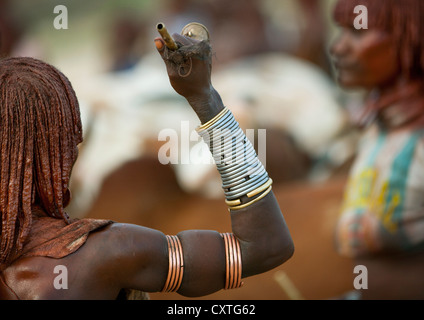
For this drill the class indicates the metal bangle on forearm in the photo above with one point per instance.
(241, 171)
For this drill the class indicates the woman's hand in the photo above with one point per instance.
(189, 70)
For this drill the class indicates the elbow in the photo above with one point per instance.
(287, 252)
(268, 255)
(279, 253)
(279, 248)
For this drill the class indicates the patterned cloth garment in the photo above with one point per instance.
(383, 209)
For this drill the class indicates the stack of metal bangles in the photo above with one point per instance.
(241, 171)
(244, 180)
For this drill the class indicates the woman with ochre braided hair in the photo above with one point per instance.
(382, 221)
(40, 129)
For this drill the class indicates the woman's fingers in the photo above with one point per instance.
(160, 44)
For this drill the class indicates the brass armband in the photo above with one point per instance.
(176, 265)
(233, 262)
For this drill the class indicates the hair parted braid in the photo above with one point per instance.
(40, 128)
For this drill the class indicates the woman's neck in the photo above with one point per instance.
(399, 104)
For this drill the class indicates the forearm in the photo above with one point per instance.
(207, 105)
(260, 239)
(256, 219)
(255, 214)
(263, 234)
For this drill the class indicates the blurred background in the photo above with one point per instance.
(272, 68)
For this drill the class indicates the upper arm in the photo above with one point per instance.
(136, 256)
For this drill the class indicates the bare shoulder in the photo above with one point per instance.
(118, 240)
(110, 260)
(128, 256)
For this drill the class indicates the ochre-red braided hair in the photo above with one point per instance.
(402, 19)
(40, 128)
